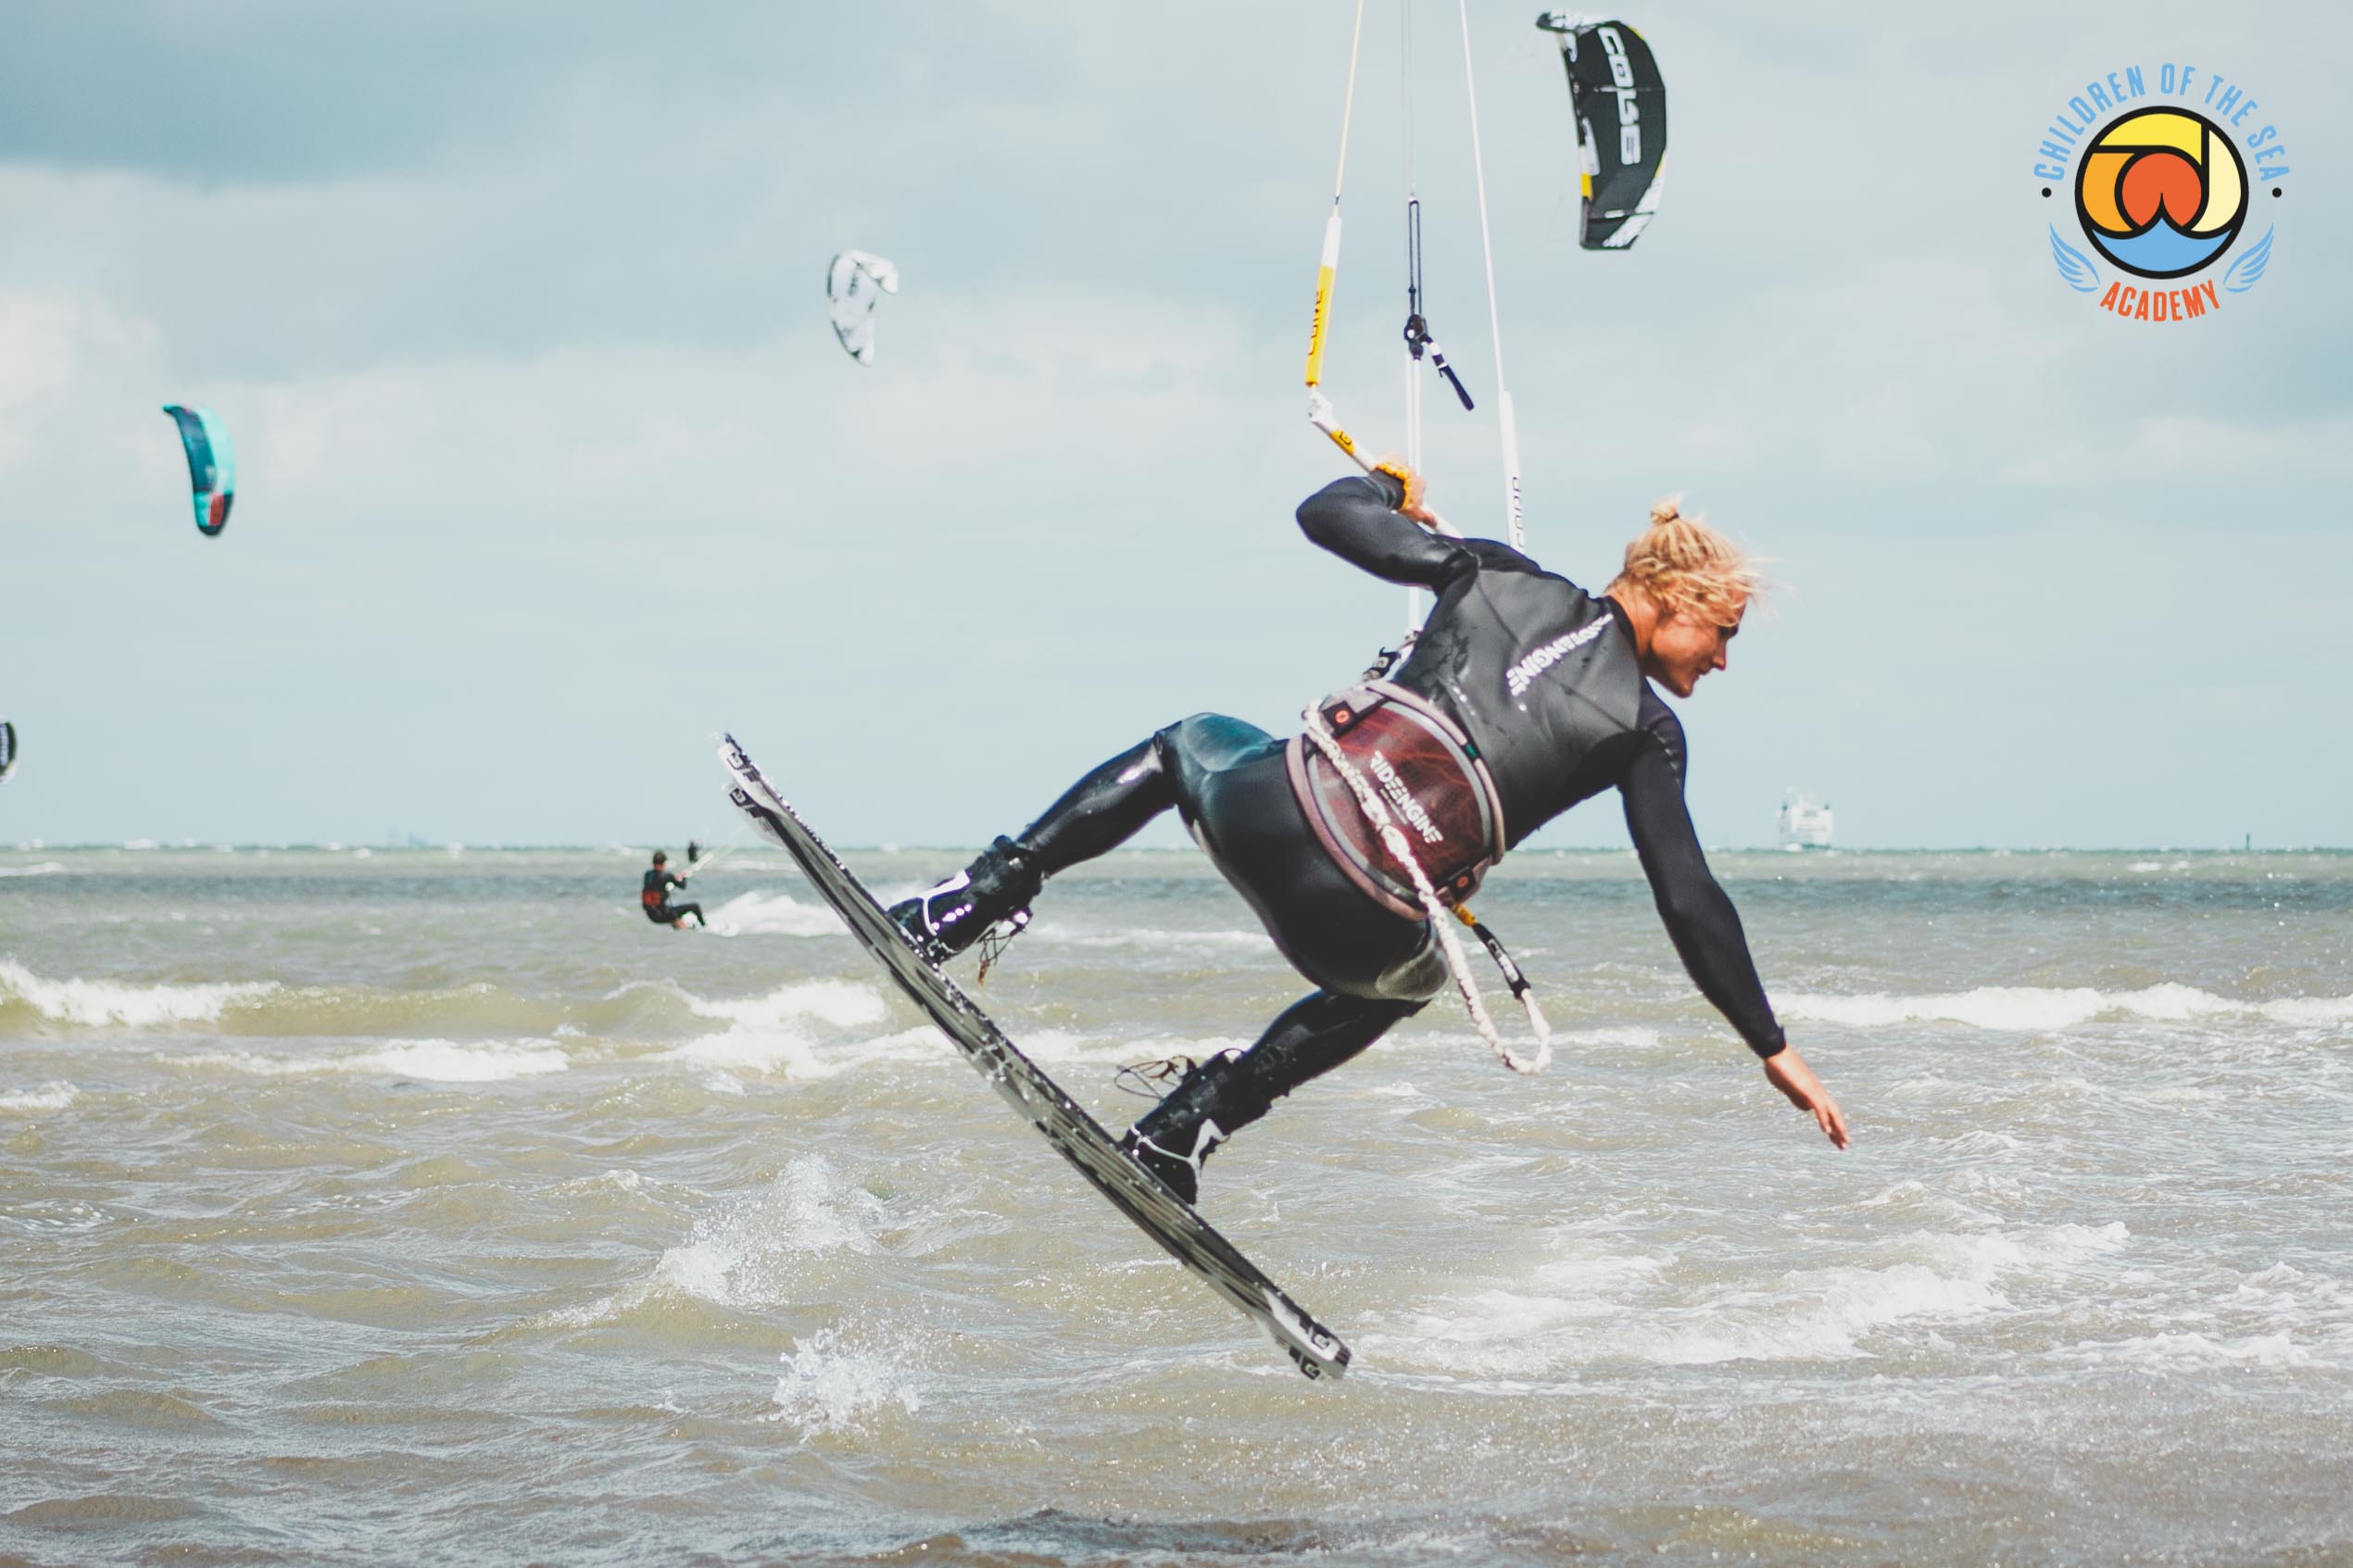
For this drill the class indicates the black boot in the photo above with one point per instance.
(951, 917)
(1173, 1138)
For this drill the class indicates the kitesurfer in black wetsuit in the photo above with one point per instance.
(1552, 685)
(656, 896)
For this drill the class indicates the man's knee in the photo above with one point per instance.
(1206, 742)
(1414, 981)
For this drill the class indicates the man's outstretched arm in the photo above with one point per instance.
(1706, 931)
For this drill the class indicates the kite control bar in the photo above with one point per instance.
(1321, 415)
(1320, 412)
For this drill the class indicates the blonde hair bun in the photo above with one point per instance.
(1688, 567)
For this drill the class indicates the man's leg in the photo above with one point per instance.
(1094, 816)
(1230, 1091)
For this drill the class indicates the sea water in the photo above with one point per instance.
(432, 1207)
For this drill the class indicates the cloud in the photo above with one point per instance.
(548, 451)
(2203, 449)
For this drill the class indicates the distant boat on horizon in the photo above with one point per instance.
(1806, 822)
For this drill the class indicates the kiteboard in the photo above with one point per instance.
(1036, 1098)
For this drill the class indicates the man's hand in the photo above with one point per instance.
(1415, 505)
(1418, 502)
(1787, 1072)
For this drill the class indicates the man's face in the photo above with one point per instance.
(1685, 647)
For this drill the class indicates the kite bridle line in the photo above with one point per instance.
(1504, 417)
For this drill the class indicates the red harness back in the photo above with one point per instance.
(1438, 792)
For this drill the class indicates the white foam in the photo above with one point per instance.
(840, 1002)
(1599, 1306)
(1982, 1140)
(1635, 1039)
(755, 1051)
(1068, 1048)
(448, 1062)
(1064, 936)
(2288, 1297)
(97, 1002)
(56, 1095)
(774, 914)
(2309, 1009)
(1824, 1319)
(2173, 1352)
(619, 1179)
(47, 868)
(441, 1061)
(772, 1032)
(2034, 1008)
(833, 1379)
(755, 1254)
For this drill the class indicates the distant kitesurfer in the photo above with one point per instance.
(656, 896)
(1522, 697)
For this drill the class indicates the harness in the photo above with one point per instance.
(1399, 759)
(1428, 772)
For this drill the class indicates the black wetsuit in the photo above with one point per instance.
(656, 898)
(1553, 697)
(1545, 680)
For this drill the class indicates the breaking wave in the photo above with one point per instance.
(96, 1003)
(777, 1030)
(774, 914)
(1631, 1309)
(440, 1061)
(2026, 1008)
(54, 1095)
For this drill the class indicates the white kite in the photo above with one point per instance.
(854, 285)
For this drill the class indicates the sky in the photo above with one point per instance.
(551, 467)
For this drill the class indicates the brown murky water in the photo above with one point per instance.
(435, 1209)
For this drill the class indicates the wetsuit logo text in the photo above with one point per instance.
(1523, 675)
